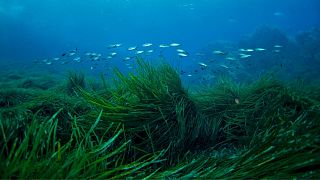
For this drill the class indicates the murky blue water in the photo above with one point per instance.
(281, 34)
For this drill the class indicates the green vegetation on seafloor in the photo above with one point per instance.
(147, 125)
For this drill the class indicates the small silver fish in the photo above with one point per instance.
(139, 52)
(72, 53)
(231, 58)
(260, 49)
(276, 51)
(224, 66)
(243, 56)
(219, 53)
(163, 46)
(96, 59)
(175, 44)
(146, 44)
(77, 58)
(181, 51)
(114, 46)
(203, 65)
(277, 46)
(132, 48)
(182, 55)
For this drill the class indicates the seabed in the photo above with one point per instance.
(148, 125)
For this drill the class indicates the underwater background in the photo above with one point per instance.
(159, 89)
(34, 30)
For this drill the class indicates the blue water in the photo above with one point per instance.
(38, 29)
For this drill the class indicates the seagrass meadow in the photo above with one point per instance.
(148, 125)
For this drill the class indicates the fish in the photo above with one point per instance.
(96, 59)
(77, 59)
(246, 50)
(126, 58)
(277, 46)
(174, 44)
(132, 48)
(111, 46)
(56, 59)
(203, 65)
(276, 51)
(224, 66)
(139, 52)
(260, 49)
(189, 75)
(75, 50)
(146, 44)
(243, 56)
(49, 63)
(88, 54)
(182, 54)
(217, 52)
(181, 51)
(150, 51)
(71, 54)
(113, 53)
(163, 46)
(236, 100)
(231, 58)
